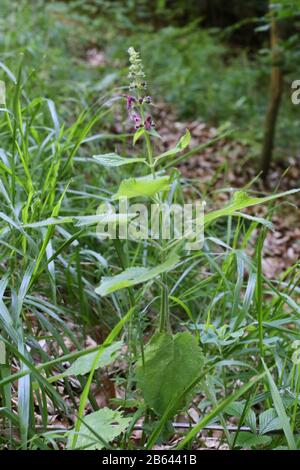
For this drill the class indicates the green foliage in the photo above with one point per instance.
(113, 160)
(144, 186)
(268, 421)
(133, 276)
(217, 300)
(281, 412)
(100, 428)
(84, 364)
(169, 366)
(247, 440)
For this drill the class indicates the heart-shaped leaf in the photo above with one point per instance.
(171, 363)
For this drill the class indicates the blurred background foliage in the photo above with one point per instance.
(209, 58)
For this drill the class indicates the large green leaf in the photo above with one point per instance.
(170, 365)
(107, 425)
(132, 276)
(84, 364)
(146, 186)
(113, 160)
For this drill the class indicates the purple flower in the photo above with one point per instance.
(130, 100)
(148, 123)
(136, 119)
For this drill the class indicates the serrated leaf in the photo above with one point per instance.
(114, 160)
(247, 440)
(146, 186)
(106, 423)
(83, 364)
(268, 421)
(133, 276)
(171, 363)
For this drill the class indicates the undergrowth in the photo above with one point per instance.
(178, 330)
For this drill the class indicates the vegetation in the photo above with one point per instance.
(111, 343)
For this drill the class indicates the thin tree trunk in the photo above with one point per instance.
(276, 89)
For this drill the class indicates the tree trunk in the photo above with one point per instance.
(276, 89)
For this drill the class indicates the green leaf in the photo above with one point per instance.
(138, 134)
(247, 440)
(84, 364)
(282, 416)
(236, 408)
(114, 160)
(106, 423)
(240, 201)
(181, 145)
(133, 276)
(171, 363)
(184, 140)
(49, 221)
(146, 186)
(268, 421)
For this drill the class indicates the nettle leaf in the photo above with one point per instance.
(240, 201)
(181, 145)
(146, 186)
(171, 364)
(84, 364)
(133, 276)
(247, 440)
(107, 425)
(114, 160)
(269, 421)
